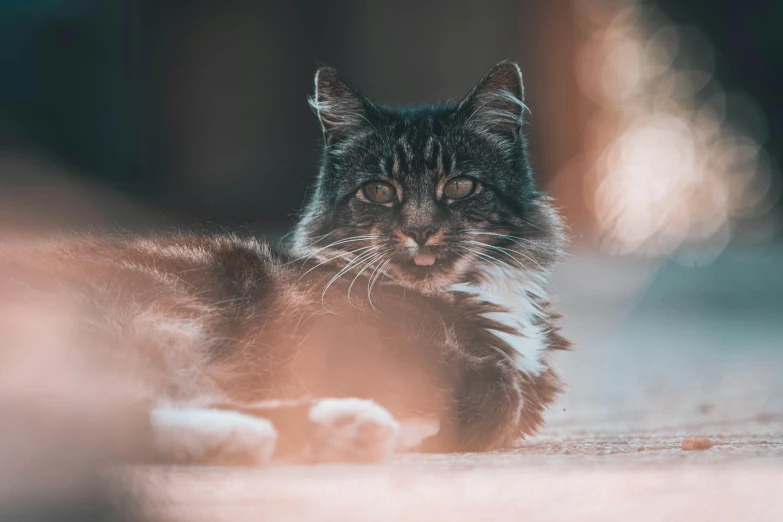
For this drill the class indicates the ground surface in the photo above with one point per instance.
(664, 352)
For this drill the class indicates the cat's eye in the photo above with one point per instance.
(378, 192)
(459, 188)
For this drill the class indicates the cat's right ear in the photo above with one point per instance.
(496, 105)
(339, 106)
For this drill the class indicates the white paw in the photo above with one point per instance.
(352, 430)
(204, 436)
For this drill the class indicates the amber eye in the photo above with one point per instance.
(379, 192)
(459, 188)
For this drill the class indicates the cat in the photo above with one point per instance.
(412, 289)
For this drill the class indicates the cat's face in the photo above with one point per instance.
(427, 196)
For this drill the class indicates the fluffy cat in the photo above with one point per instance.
(414, 287)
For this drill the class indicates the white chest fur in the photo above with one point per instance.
(514, 292)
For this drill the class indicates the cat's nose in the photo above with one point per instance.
(421, 234)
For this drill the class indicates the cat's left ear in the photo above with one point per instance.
(340, 107)
(496, 105)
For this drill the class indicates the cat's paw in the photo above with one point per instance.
(204, 436)
(352, 430)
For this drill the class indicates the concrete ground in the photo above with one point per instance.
(664, 352)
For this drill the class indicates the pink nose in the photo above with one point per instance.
(421, 234)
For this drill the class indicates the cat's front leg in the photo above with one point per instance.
(484, 413)
(327, 430)
(499, 396)
(494, 406)
(487, 406)
(188, 435)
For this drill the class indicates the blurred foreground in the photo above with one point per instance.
(664, 352)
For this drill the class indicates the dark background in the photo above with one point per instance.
(198, 108)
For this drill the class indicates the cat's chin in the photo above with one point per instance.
(428, 279)
(430, 286)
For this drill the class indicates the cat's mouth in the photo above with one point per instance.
(424, 259)
(424, 269)
(423, 264)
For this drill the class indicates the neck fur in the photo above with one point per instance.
(520, 295)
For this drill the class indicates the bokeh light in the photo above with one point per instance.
(675, 164)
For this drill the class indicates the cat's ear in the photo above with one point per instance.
(339, 106)
(496, 105)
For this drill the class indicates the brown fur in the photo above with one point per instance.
(222, 319)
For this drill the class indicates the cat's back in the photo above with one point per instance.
(175, 261)
(168, 304)
(176, 289)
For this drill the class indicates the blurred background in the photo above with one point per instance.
(656, 125)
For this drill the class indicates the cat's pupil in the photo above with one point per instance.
(459, 188)
(379, 192)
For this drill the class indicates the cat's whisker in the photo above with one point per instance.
(527, 254)
(346, 269)
(351, 239)
(366, 266)
(318, 239)
(342, 255)
(380, 271)
(528, 223)
(355, 262)
(513, 239)
(488, 233)
(494, 260)
(497, 262)
(506, 250)
(375, 273)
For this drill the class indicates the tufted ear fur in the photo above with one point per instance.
(340, 107)
(496, 104)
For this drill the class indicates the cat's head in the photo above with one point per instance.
(430, 196)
